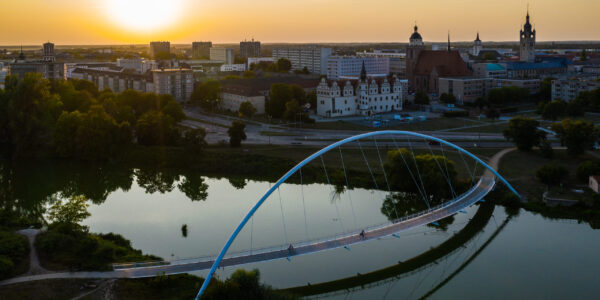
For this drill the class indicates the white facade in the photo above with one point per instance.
(233, 68)
(568, 89)
(222, 54)
(138, 64)
(313, 58)
(116, 81)
(364, 97)
(350, 66)
(397, 60)
(178, 83)
(256, 60)
(232, 101)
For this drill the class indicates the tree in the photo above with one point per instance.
(576, 107)
(554, 110)
(546, 150)
(173, 109)
(279, 95)
(448, 98)
(236, 133)
(492, 113)
(524, 133)
(421, 98)
(71, 211)
(488, 56)
(246, 109)
(583, 56)
(292, 110)
(284, 65)
(577, 136)
(155, 128)
(195, 138)
(207, 95)
(552, 174)
(546, 89)
(586, 169)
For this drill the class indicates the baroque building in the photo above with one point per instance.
(364, 96)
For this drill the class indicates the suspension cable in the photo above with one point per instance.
(348, 186)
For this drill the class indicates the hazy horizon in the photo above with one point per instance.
(114, 22)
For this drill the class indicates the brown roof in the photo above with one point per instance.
(596, 178)
(446, 64)
(258, 86)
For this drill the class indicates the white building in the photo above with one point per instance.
(364, 96)
(233, 68)
(568, 89)
(223, 54)
(350, 66)
(138, 64)
(117, 81)
(397, 60)
(257, 60)
(313, 58)
(178, 83)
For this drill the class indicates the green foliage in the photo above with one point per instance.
(162, 55)
(448, 98)
(583, 56)
(506, 95)
(279, 95)
(586, 169)
(554, 110)
(194, 139)
(62, 247)
(546, 150)
(156, 128)
(552, 174)
(524, 133)
(488, 56)
(236, 133)
(207, 95)
(72, 117)
(283, 65)
(421, 98)
(249, 74)
(71, 211)
(402, 163)
(546, 89)
(576, 108)
(246, 110)
(577, 136)
(242, 285)
(14, 249)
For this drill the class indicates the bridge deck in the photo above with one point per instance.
(485, 184)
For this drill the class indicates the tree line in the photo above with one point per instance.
(74, 119)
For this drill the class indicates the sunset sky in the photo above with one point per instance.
(32, 22)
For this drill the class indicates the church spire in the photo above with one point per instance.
(363, 72)
(449, 48)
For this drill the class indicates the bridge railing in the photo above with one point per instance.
(298, 244)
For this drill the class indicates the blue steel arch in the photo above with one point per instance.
(316, 155)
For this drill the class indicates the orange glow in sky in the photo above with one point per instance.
(221, 21)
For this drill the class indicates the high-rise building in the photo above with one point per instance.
(250, 49)
(178, 83)
(313, 58)
(157, 48)
(201, 49)
(222, 54)
(527, 42)
(49, 52)
(350, 66)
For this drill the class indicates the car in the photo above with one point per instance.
(433, 143)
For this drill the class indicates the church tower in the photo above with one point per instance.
(527, 38)
(413, 51)
(477, 46)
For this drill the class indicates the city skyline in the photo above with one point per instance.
(98, 22)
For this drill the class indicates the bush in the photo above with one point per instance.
(456, 114)
(552, 174)
(6, 267)
(587, 169)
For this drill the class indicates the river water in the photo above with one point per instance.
(524, 256)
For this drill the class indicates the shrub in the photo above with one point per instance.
(587, 169)
(552, 174)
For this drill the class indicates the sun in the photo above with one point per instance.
(144, 14)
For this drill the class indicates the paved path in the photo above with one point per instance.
(35, 267)
(484, 186)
